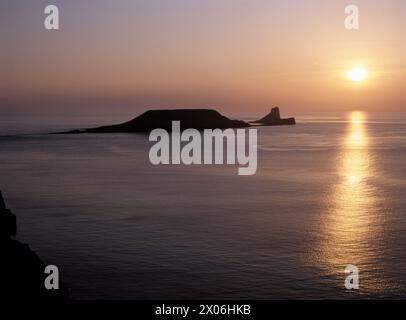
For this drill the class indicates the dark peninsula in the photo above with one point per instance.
(199, 119)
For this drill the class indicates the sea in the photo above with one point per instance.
(327, 202)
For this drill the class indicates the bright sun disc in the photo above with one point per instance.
(357, 74)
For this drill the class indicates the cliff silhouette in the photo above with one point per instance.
(274, 119)
(199, 119)
(21, 270)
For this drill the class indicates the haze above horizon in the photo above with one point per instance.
(236, 56)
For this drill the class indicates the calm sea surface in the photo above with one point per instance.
(328, 192)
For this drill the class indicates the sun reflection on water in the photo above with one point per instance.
(351, 232)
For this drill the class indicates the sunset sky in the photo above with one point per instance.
(238, 56)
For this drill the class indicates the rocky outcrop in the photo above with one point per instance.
(21, 270)
(199, 119)
(274, 119)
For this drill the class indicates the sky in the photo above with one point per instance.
(238, 56)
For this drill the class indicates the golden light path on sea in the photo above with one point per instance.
(352, 228)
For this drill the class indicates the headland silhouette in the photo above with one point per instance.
(199, 119)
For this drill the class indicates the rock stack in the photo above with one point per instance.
(274, 119)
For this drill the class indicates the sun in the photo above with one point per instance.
(357, 74)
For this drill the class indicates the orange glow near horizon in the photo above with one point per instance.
(222, 54)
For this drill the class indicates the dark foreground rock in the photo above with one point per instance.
(21, 270)
(274, 119)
